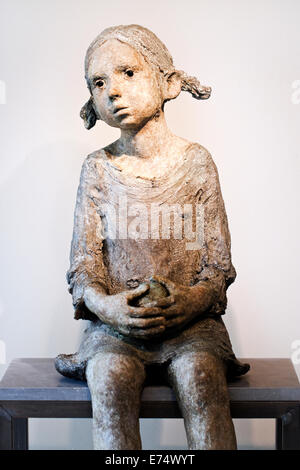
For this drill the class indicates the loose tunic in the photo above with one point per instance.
(119, 241)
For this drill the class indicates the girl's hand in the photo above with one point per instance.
(114, 310)
(184, 302)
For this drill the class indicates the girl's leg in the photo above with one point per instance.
(199, 381)
(115, 382)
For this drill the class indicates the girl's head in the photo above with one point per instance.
(130, 75)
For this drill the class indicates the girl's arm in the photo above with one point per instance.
(216, 267)
(86, 262)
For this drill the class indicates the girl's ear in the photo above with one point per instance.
(88, 114)
(172, 85)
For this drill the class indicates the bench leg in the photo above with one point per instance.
(278, 434)
(290, 430)
(13, 432)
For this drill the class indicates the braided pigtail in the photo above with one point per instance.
(88, 114)
(193, 86)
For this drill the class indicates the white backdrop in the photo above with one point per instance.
(248, 51)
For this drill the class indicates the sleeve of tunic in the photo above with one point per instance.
(216, 266)
(86, 260)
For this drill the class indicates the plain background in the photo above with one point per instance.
(248, 52)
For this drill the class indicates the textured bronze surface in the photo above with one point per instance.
(152, 293)
(156, 291)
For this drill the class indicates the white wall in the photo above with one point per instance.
(248, 51)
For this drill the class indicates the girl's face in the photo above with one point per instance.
(124, 86)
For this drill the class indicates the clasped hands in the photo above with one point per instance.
(181, 305)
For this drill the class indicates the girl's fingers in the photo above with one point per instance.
(166, 302)
(174, 322)
(172, 312)
(169, 285)
(138, 292)
(146, 322)
(136, 312)
(161, 303)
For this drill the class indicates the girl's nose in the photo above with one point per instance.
(114, 90)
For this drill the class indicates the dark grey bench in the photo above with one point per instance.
(31, 388)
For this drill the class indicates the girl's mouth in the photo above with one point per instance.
(119, 109)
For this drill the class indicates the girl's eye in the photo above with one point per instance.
(129, 73)
(100, 84)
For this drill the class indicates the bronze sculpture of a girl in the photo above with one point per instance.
(152, 293)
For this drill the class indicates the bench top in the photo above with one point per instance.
(35, 379)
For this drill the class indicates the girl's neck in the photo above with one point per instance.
(151, 140)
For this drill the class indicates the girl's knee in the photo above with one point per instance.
(111, 372)
(115, 382)
(196, 371)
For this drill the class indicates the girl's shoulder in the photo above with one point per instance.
(99, 158)
(93, 160)
(199, 155)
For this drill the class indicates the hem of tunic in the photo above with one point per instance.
(208, 334)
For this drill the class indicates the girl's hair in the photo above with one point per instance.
(153, 50)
